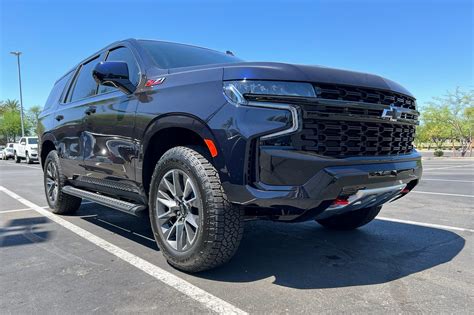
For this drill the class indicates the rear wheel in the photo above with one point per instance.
(351, 220)
(54, 181)
(194, 225)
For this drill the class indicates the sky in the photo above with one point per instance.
(425, 45)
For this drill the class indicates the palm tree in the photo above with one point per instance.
(9, 105)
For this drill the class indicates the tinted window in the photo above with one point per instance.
(33, 141)
(123, 54)
(171, 55)
(85, 84)
(57, 90)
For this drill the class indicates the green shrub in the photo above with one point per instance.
(438, 153)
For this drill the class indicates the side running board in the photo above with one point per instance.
(125, 206)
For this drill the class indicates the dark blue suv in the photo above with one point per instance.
(201, 141)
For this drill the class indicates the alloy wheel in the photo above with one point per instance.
(178, 210)
(52, 182)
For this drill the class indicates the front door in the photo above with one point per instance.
(109, 147)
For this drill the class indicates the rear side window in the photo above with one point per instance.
(85, 84)
(123, 54)
(57, 91)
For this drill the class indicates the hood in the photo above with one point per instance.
(313, 74)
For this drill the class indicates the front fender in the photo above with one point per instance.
(185, 121)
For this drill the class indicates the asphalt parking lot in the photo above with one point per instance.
(417, 257)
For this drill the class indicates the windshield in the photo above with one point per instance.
(170, 55)
(33, 141)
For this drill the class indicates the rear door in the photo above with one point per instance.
(109, 147)
(70, 115)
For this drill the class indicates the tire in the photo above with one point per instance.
(350, 220)
(17, 158)
(28, 160)
(215, 235)
(59, 202)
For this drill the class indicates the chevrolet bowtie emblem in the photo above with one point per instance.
(392, 113)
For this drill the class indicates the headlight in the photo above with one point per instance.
(237, 90)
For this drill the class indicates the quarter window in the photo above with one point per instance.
(57, 91)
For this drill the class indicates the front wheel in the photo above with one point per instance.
(350, 220)
(28, 159)
(17, 158)
(194, 225)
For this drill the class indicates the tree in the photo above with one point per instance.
(10, 121)
(10, 125)
(434, 127)
(460, 105)
(9, 105)
(450, 117)
(33, 114)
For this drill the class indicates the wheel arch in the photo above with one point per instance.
(169, 131)
(47, 145)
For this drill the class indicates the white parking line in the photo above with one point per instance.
(446, 227)
(19, 210)
(441, 194)
(206, 299)
(445, 168)
(447, 173)
(126, 230)
(14, 164)
(446, 180)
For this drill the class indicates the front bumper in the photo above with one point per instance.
(296, 185)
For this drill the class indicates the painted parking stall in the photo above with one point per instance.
(416, 255)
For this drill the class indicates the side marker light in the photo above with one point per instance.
(211, 146)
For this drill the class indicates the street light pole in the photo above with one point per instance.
(17, 54)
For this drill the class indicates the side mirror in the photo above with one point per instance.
(115, 74)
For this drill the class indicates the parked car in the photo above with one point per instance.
(8, 152)
(26, 149)
(205, 141)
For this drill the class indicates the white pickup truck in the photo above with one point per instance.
(26, 149)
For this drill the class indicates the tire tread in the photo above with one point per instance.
(224, 220)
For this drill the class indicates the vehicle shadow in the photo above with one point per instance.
(307, 256)
(137, 229)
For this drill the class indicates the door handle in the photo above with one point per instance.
(59, 117)
(90, 110)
